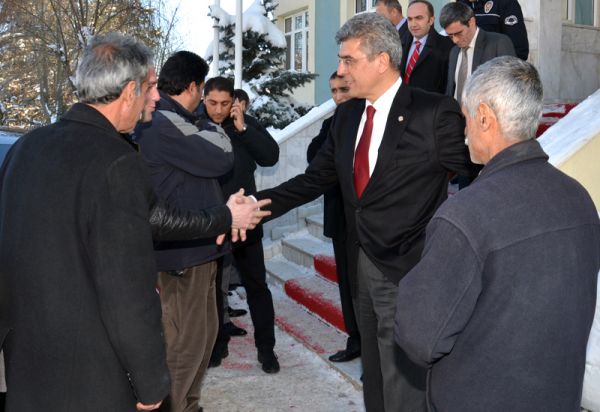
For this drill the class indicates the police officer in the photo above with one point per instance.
(502, 16)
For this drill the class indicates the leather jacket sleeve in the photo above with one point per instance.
(169, 223)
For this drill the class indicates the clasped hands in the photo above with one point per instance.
(245, 215)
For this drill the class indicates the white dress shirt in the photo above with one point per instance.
(423, 41)
(382, 110)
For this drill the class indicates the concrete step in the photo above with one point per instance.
(316, 294)
(301, 248)
(314, 224)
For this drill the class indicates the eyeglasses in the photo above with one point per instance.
(349, 61)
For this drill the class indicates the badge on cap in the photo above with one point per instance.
(488, 6)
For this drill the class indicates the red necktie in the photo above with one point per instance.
(412, 61)
(361, 156)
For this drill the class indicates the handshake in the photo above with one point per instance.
(245, 215)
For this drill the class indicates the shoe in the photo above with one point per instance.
(217, 355)
(235, 313)
(232, 330)
(269, 361)
(345, 355)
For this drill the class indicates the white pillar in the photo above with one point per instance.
(238, 45)
(215, 62)
(546, 43)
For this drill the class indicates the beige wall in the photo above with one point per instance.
(286, 8)
(584, 166)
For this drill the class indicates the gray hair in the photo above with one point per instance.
(512, 88)
(376, 35)
(107, 64)
(455, 12)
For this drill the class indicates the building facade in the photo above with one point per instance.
(564, 40)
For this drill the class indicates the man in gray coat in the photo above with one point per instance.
(502, 321)
(473, 46)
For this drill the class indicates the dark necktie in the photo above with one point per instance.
(361, 156)
(412, 61)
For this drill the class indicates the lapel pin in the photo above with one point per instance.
(400, 118)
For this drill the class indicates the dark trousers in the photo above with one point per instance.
(391, 381)
(341, 263)
(250, 262)
(222, 336)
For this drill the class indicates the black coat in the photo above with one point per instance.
(431, 70)
(501, 304)
(423, 141)
(78, 271)
(253, 147)
(334, 221)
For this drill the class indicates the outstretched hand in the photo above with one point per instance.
(245, 215)
(141, 407)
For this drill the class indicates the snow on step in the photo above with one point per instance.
(314, 224)
(302, 249)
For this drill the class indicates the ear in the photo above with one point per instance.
(191, 88)
(128, 93)
(486, 117)
(384, 62)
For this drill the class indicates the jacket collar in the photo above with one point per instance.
(167, 103)
(84, 113)
(517, 153)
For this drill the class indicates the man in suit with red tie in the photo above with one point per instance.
(425, 53)
(390, 148)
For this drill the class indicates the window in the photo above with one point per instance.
(581, 11)
(364, 5)
(296, 37)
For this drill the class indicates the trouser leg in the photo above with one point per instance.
(190, 324)
(341, 263)
(398, 382)
(250, 260)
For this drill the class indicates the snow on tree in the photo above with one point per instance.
(264, 77)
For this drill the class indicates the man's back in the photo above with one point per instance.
(533, 245)
(76, 257)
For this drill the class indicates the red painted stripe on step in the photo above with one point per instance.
(325, 266)
(299, 334)
(315, 302)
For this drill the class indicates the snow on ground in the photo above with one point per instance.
(305, 383)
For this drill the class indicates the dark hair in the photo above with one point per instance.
(455, 12)
(241, 95)
(180, 70)
(391, 4)
(334, 75)
(425, 2)
(220, 84)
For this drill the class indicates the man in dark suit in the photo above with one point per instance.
(425, 54)
(334, 227)
(392, 10)
(476, 44)
(390, 149)
(502, 16)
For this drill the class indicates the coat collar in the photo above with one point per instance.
(167, 103)
(84, 113)
(517, 153)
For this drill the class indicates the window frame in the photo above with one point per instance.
(290, 37)
(368, 8)
(570, 12)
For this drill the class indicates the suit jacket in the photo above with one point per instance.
(423, 140)
(431, 69)
(334, 222)
(404, 34)
(487, 46)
